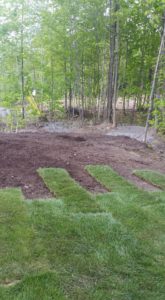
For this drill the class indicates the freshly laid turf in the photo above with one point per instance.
(152, 177)
(35, 287)
(75, 197)
(80, 246)
(15, 235)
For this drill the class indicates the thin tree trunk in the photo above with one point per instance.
(151, 99)
(124, 79)
(124, 111)
(82, 88)
(112, 93)
(22, 63)
(70, 96)
(140, 97)
(52, 83)
(116, 73)
(66, 96)
(111, 66)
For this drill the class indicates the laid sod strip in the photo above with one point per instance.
(110, 246)
(155, 178)
(114, 182)
(126, 203)
(110, 179)
(159, 198)
(142, 221)
(14, 235)
(61, 184)
(88, 256)
(94, 255)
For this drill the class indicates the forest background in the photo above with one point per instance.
(58, 54)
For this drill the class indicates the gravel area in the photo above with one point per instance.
(134, 132)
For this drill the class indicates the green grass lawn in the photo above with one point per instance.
(83, 246)
(154, 178)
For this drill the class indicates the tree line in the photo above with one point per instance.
(80, 53)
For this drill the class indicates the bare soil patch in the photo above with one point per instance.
(23, 153)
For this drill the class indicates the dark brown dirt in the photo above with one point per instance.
(22, 154)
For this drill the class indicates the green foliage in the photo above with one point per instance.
(159, 115)
(13, 121)
(66, 49)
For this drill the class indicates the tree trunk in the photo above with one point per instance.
(113, 66)
(82, 88)
(151, 99)
(52, 84)
(116, 71)
(22, 63)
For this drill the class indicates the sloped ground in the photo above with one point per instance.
(21, 154)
